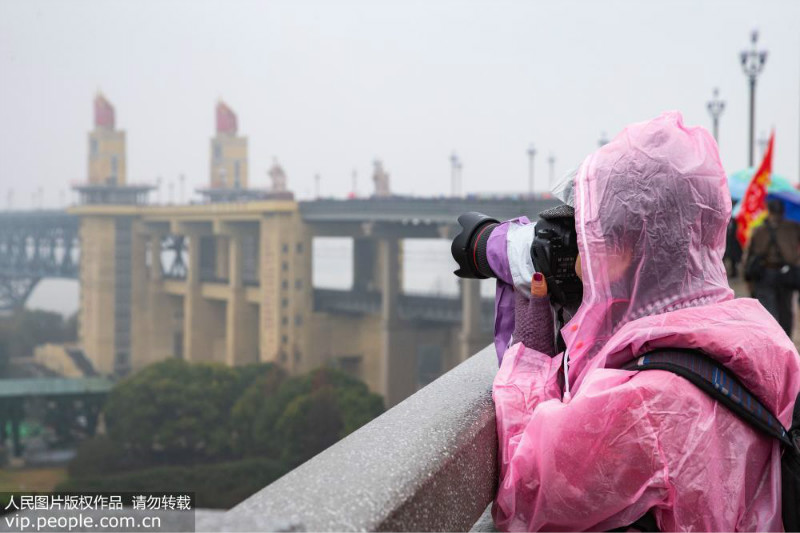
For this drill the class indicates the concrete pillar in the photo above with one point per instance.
(97, 291)
(139, 319)
(156, 270)
(199, 320)
(470, 339)
(365, 264)
(222, 267)
(159, 312)
(241, 320)
(398, 357)
(235, 261)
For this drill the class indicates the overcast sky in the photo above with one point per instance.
(326, 87)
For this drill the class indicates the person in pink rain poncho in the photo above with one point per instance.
(610, 445)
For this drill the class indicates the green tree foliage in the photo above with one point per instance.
(98, 456)
(304, 415)
(176, 412)
(187, 415)
(220, 485)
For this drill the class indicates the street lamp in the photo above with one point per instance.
(752, 65)
(552, 161)
(316, 186)
(459, 179)
(715, 108)
(762, 143)
(455, 165)
(531, 155)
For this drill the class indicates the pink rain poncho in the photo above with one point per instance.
(651, 209)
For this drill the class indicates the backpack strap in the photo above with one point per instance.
(713, 379)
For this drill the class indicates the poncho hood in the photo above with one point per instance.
(651, 211)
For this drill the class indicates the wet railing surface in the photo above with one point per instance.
(428, 464)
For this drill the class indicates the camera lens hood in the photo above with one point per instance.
(464, 245)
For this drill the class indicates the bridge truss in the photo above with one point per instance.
(35, 245)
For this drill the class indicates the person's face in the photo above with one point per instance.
(618, 265)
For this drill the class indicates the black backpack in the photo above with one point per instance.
(713, 379)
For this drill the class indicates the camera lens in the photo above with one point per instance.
(469, 246)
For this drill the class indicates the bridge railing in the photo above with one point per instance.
(428, 464)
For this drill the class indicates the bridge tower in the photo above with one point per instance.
(108, 217)
(106, 146)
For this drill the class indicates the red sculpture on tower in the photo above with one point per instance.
(226, 119)
(103, 112)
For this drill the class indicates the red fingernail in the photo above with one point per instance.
(538, 276)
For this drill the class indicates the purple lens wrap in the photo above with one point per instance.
(497, 254)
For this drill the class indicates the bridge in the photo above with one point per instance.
(232, 283)
(39, 244)
(35, 245)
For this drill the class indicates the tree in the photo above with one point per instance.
(176, 412)
(304, 415)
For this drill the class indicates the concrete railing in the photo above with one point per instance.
(428, 464)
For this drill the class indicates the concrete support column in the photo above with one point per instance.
(223, 260)
(365, 264)
(156, 270)
(140, 349)
(235, 261)
(241, 340)
(470, 341)
(159, 312)
(398, 358)
(198, 314)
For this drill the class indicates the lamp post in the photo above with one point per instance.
(552, 161)
(752, 64)
(531, 156)
(316, 186)
(455, 166)
(715, 108)
(459, 180)
(762, 144)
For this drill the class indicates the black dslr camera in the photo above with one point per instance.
(553, 251)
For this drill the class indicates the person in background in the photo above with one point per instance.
(778, 240)
(733, 250)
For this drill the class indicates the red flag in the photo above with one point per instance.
(754, 203)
